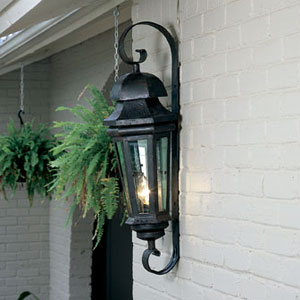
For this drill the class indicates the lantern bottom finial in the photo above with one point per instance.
(150, 232)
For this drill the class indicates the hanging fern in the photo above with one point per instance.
(24, 157)
(86, 166)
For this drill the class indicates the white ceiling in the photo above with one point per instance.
(5, 3)
(16, 15)
(51, 36)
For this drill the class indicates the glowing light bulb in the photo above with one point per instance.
(143, 190)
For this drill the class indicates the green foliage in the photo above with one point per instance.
(86, 167)
(24, 157)
(26, 294)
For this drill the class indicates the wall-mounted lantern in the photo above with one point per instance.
(145, 134)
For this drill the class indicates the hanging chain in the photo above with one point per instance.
(22, 89)
(116, 14)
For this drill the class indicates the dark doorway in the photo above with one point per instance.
(112, 263)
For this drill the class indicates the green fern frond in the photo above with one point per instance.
(86, 168)
(100, 218)
(109, 194)
(25, 156)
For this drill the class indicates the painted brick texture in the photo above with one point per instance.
(24, 247)
(24, 230)
(239, 177)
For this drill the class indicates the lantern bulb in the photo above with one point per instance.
(143, 190)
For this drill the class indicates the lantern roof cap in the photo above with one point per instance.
(137, 85)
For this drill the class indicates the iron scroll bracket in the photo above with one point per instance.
(175, 142)
(143, 56)
(153, 251)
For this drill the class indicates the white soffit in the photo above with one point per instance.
(59, 33)
(19, 14)
(4, 4)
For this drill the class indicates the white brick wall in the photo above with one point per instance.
(24, 247)
(24, 231)
(60, 252)
(240, 143)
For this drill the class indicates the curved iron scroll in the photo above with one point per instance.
(143, 57)
(175, 142)
(153, 251)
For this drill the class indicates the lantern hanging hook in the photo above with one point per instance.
(21, 111)
(143, 56)
(175, 143)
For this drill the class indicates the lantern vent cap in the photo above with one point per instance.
(137, 85)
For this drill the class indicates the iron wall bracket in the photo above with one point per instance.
(175, 143)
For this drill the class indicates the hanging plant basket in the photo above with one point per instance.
(25, 157)
(87, 173)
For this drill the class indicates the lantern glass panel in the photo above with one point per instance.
(138, 151)
(124, 175)
(162, 154)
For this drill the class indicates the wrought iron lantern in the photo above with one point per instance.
(145, 134)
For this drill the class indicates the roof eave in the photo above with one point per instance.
(49, 37)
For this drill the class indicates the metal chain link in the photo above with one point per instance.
(22, 89)
(116, 14)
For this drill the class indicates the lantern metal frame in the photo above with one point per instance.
(150, 227)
